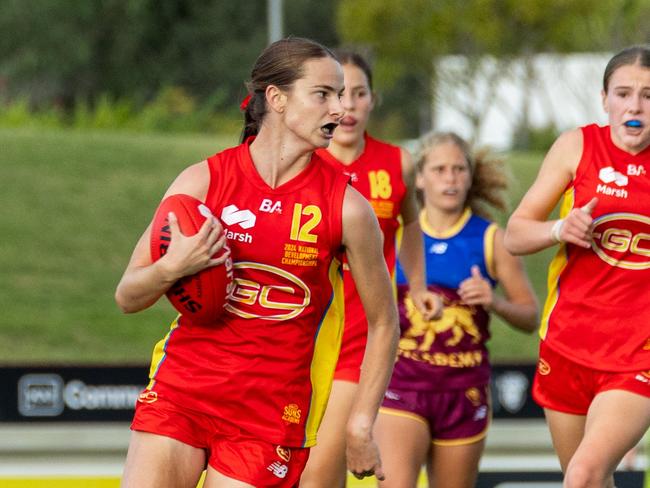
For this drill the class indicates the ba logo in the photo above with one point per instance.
(623, 240)
(269, 206)
(266, 292)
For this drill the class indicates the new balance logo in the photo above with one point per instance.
(278, 469)
(391, 395)
(231, 215)
(353, 176)
(270, 206)
(438, 248)
(481, 413)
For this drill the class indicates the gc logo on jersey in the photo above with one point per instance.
(266, 292)
(622, 240)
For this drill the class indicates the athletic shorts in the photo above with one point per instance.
(353, 347)
(348, 367)
(455, 417)
(563, 385)
(231, 451)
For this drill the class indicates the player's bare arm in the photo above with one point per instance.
(362, 241)
(411, 251)
(528, 231)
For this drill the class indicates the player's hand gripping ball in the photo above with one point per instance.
(200, 298)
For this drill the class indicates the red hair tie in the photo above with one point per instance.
(244, 103)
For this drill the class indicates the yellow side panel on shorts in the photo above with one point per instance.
(158, 355)
(555, 269)
(326, 353)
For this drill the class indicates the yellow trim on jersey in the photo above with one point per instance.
(402, 413)
(159, 352)
(556, 267)
(488, 249)
(451, 232)
(326, 353)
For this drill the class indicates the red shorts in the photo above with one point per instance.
(353, 347)
(563, 385)
(348, 367)
(231, 451)
(454, 418)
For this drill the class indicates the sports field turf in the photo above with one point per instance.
(75, 203)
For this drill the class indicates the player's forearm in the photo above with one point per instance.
(411, 256)
(527, 236)
(141, 287)
(523, 316)
(376, 370)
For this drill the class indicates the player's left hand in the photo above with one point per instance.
(476, 290)
(428, 303)
(363, 457)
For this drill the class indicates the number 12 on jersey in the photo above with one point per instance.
(303, 231)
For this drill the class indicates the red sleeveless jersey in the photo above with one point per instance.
(377, 175)
(598, 309)
(267, 364)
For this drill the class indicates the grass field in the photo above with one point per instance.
(74, 204)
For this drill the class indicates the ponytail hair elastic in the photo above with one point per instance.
(244, 103)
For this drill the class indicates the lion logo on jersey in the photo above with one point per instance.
(455, 318)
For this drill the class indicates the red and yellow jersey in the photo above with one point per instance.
(597, 312)
(267, 364)
(377, 175)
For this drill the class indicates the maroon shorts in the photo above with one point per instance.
(454, 417)
(563, 385)
(231, 451)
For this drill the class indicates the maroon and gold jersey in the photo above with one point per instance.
(377, 175)
(597, 312)
(448, 353)
(267, 363)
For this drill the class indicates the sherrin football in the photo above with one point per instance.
(200, 298)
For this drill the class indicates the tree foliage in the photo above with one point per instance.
(409, 35)
(79, 50)
(68, 52)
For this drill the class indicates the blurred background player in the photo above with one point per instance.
(593, 375)
(246, 395)
(437, 407)
(384, 174)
